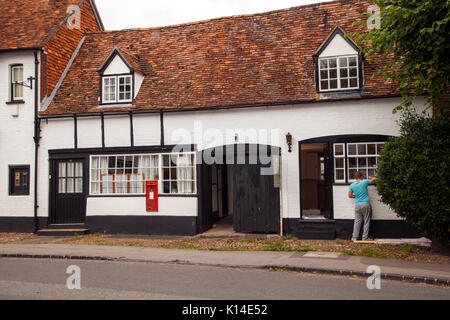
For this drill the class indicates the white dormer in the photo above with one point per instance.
(338, 64)
(121, 78)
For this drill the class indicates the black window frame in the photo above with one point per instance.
(12, 169)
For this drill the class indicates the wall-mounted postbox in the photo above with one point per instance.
(151, 196)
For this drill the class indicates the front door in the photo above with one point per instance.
(68, 192)
(315, 181)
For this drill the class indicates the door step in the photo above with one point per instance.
(62, 232)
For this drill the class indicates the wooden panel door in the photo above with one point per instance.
(68, 191)
(256, 200)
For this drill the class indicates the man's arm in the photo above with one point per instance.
(372, 179)
(350, 194)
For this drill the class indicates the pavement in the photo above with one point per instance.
(321, 262)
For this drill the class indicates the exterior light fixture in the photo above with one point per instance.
(289, 141)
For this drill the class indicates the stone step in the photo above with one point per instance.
(62, 232)
(67, 226)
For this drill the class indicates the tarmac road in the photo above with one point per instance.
(46, 279)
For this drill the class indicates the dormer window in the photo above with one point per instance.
(117, 88)
(338, 73)
(338, 64)
(121, 78)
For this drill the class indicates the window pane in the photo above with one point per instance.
(343, 62)
(339, 163)
(324, 85)
(333, 73)
(333, 84)
(323, 64)
(351, 174)
(353, 83)
(353, 72)
(351, 149)
(352, 61)
(339, 174)
(379, 147)
(372, 162)
(362, 149)
(338, 149)
(79, 185)
(62, 169)
(332, 63)
(352, 162)
(70, 169)
(324, 74)
(371, 148)
(344, 73)
(62, 185)
(362, 162)
(70, 185)
(344, 83)
(78, 169)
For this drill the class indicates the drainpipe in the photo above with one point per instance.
(36, 138)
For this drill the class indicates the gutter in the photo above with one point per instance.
(36, 138)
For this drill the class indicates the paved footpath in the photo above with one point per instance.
(334, 263)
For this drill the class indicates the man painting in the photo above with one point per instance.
(358, 190)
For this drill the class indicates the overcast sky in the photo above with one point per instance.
(126, 14)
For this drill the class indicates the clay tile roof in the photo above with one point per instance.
(233, 61)
(28, 24)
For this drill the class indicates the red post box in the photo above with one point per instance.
(151, 196)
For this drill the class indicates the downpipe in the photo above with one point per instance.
(36, 138)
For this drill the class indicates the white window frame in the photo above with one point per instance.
(159, 170)
(346, 156)
(124, 92)
(338, 73)
(334, 162)
(104, 100)
(15, 83)
(117, 88)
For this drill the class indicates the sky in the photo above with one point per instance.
(126, 14)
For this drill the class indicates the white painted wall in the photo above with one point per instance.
(338, 47)
(305, 121)
(89, 132)
(344, 207)
(116, 66)
(16, 134)
(302, 121)
(135, 206)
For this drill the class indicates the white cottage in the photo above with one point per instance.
(264, 118)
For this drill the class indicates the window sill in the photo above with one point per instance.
(15, 102)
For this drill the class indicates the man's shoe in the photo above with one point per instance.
(368, 239)
(354, 239)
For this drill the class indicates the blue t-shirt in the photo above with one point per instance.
(359, 189)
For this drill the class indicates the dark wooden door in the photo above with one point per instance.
(68, 191)
(256, 200)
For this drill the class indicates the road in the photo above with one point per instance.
(46, 279)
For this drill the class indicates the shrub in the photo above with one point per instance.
(413, 175)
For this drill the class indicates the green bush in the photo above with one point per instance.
(413, 175)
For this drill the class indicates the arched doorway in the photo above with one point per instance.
(241, 181)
